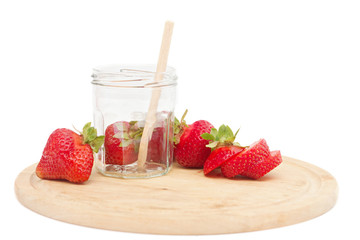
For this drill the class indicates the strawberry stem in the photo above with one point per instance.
(183, 116)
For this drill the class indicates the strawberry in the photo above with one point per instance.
(219, 156)
(190, 148)
(68, 155)
(122, 143)
(246, 162)
(256, 171)
(222, 145)
(155, 147)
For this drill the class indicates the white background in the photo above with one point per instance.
(286, 71)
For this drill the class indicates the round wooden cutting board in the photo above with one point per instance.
(184, 201)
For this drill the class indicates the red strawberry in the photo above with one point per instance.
(157, 149)
(244, 162)
(222, 145)
(160, 147)
(219, 156)
(121, 143)
(191, 151)
(259, 169)
(189, 147)
(68, 155)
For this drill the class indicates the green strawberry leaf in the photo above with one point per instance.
(125, 143)
(177, 127)
(118, 135)
(136, 134)
(208, 136)
(132, 123)
(90, 137)
(89, 133)
(222, 134)
(122, 135)
(96, 143)
(212, 144)
(214, 132)
(222, 137)
(121, 126)
(87, 126)
(225, 134)
(125, 135)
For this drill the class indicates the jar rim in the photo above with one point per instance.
(132, 75)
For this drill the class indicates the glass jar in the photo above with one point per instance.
(121, 104)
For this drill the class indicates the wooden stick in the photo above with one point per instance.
(151, 114)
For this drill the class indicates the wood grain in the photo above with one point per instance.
(184, 201)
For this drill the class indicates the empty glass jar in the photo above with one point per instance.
(121, 100)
